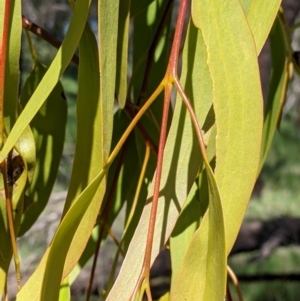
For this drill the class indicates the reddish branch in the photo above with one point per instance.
(171, 74)
(3, 54)
(45, 35)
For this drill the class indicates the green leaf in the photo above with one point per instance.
(65, 291)
(23, 147)
(59, 64)
(11, 85)
(122, 52)
(165, 297)
(204, 263)
(55, 255)
(89, 160)
(237, 103)
(260, 16)
(138, 6)
(188, 222)
(147, 23)
(108, 12)
(48, 126)
(123, 191)
(278, 86)
(77, 224)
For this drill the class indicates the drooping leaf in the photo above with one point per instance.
(277, 88)
(57, 67)
(71, 230)
(124, 189)
(147, 23)
(48, 126)
(21, 160)
(260, 16)
(193, 67)
(204, 263)
(59, 248)
(237, 103)
(88, 159)
(88, 163)
(107, 34)
(12, 71)
(32, 288)
(188, 222)
(122, 53)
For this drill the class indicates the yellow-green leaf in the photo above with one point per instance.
(122, 52)
(232, 63)
(88, 163)
(107, 34)
(260, 16)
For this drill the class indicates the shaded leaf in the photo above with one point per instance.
(88, 163)
(22, 157)
(122, 52)
(48, 126)
(277, 88)
(57, 67)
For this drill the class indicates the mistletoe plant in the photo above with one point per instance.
(183, 167)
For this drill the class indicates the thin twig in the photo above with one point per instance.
(104, 219)
(45, 35)
(235, 282)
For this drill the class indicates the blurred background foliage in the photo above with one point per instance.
(276, 193)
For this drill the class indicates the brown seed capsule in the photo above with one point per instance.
(15, 167)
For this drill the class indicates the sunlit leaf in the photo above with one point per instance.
(65, 291)
(260, 15)
(60, 245)
(204, 264)
(237, 103)
(107, 34)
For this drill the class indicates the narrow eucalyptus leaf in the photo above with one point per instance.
(278, 86)
(48, 127)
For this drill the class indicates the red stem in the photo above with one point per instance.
(3, 55)
(170, 73)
